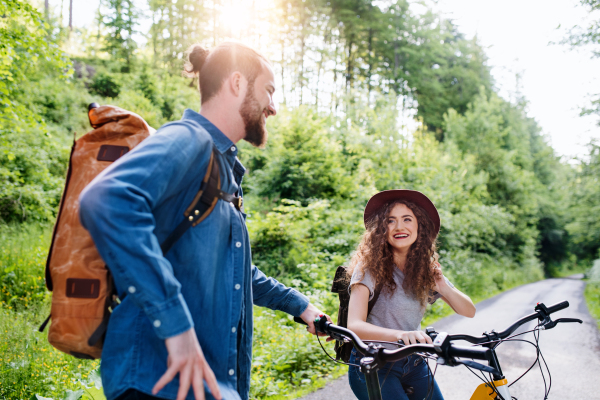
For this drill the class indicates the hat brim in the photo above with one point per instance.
(413, 196)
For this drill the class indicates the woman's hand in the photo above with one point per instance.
(413, 337)
(457, 300)
(440, 282)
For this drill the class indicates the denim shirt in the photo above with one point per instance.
(206, 281)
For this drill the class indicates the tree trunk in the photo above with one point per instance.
(370, 66)
(62, 8)
(335, 77)
(349, 66)
(47, 9)
(70, 15)
(283, 67)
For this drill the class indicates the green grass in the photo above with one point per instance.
(29, 366)
(286, 361)
(592, 298)
(23, 253)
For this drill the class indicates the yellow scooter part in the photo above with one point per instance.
(486, 392)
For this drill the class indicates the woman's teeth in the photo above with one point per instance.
(401, 236)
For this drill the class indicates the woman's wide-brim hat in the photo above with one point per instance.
(413, 196)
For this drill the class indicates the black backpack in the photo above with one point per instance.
(340, 286)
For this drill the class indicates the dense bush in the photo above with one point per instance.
(105, 85)
(285, 358)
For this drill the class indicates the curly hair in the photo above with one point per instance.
(375, 255)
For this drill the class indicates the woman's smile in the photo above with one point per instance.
(402, 227)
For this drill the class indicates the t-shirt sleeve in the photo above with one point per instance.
(364, 278)
(433, 295)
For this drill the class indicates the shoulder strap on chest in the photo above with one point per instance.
(372, 302)
(204, 202)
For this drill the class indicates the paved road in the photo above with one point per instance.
(572, 351)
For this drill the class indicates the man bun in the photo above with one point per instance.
(212, 68)
(196, 56)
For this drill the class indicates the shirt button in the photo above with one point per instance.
(233, 330)
(237, 286)
(232, 148)
(131, 289)
(238, 244)
(231, 372)
(156, 323)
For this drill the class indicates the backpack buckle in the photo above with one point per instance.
(240, 202)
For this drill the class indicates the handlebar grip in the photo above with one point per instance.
(558, 307)
(300, 321)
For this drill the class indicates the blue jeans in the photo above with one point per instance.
(411, 371)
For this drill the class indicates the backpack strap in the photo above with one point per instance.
(204, 202)
(372, 302)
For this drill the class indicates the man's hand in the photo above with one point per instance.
(187, 360)
(309, 315)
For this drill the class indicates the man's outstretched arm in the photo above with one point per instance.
(268, 292)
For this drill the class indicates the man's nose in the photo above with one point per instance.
(272, 109)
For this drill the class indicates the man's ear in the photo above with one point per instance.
(236, 83)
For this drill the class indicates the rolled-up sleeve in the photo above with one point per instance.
(117, 210)
(268, 292)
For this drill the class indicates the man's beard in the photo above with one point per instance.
(251, 112)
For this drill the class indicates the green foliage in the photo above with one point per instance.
(592, 298)
(588, 36)
(120, 19)
(285, 361)
(22, 262)
(30, 162)
(31, 171)
(290, 238)
(28, 364)
(185, 20)
(483, 247)
(302, 162)
(584, 227)
(105, 85)
(524, 176)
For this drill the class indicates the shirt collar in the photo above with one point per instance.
(223, 144)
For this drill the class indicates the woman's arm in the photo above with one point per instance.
(460, 302)
(357, 317)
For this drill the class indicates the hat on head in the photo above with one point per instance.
(413, 196)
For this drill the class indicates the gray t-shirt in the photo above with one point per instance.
(398, 310)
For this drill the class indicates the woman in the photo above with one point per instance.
(398, 255)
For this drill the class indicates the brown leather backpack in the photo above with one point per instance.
(83, 290)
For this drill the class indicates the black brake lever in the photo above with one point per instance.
(476, 365)
(552, 324)
(569, 320)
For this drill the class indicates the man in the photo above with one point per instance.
(189, 311)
